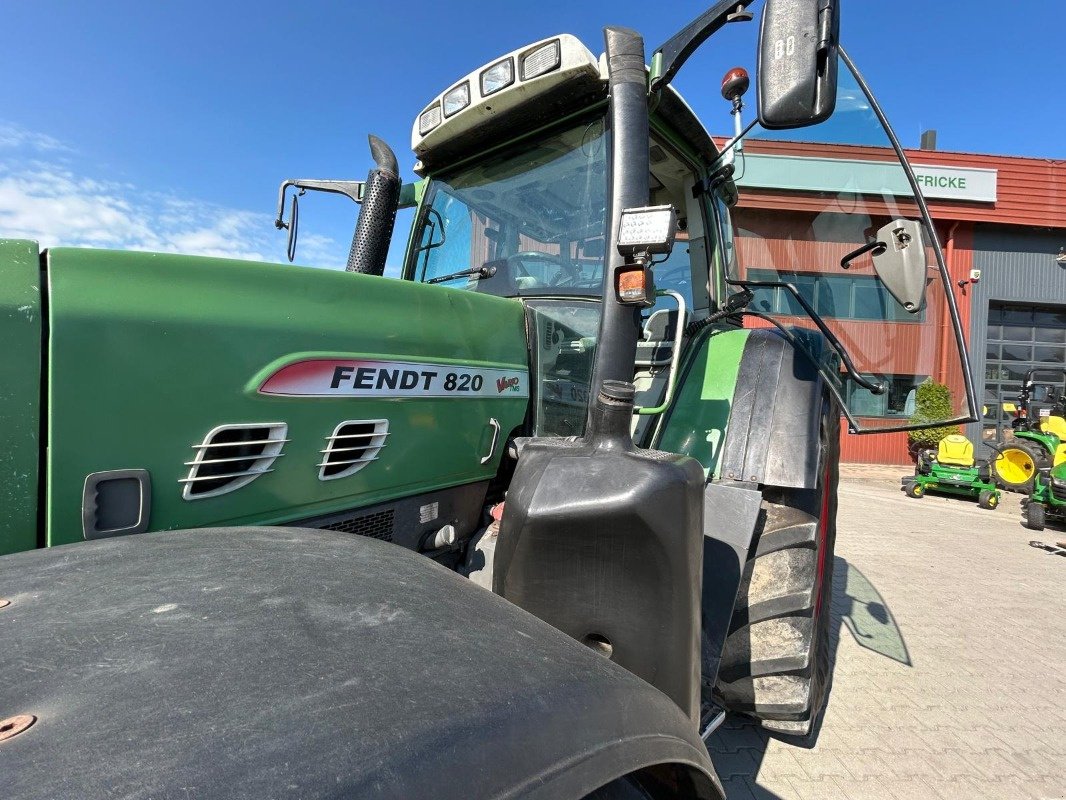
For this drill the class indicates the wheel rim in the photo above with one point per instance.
(1015, 466)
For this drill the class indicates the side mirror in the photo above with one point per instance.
(797, 80)
(899, 262)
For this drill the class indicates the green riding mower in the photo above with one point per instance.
(1047, 501)
(952, 469)
(1039, 428)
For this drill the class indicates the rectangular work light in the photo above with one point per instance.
(648, 230)
(457, 99)
(499, 76)
(542, 60)
(429, 119)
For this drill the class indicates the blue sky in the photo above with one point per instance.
(168, 126)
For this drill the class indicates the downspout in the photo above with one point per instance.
(945, 321)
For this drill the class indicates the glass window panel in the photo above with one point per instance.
(1049, 316)
(992, 351)
(1017, 315)
(1048, 355)
(1014, 372)
(865, 404)
(995, 315)
(870, 302)
(674, 273)
(1017, 352)
(995, 332)
(765, 299)
(834, 297)
(1016, 333)
(524, 211)
(1050, 335)
(805, 285)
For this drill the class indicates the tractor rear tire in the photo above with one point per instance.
(1017, 464)
(987, 499)
(1035, 516)
(776, 658)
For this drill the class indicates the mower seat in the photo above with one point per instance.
(955, 450)
(1054, 425)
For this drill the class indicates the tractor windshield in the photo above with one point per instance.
(527, 222)
(824, 218)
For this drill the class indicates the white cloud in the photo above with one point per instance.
(53, 204)
(12, 136)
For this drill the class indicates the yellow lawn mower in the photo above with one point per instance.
(1039, 428)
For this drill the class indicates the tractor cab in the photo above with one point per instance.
(518, 166)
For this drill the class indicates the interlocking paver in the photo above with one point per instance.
(949, 650)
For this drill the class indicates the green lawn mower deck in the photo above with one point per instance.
(1047, 501)
(952, 469)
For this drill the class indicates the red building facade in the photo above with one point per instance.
(982, 206)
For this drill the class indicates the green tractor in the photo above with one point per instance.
(952, 469)
(1047, 501)
(1039, 430)
(279, 494)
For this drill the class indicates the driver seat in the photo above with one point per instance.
(955, 450)
(1055, 425)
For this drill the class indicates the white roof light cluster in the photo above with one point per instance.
(503, 84)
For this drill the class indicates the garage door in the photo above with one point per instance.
(1020, 338)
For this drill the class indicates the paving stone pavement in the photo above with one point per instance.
(949, 638)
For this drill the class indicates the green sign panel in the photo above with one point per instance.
(815, 174)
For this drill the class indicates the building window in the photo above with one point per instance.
(897, 401)
(858, 297)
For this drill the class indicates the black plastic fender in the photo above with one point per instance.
(288, 662)
(773, 432)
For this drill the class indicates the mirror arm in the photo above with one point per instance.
(353, 190)
(834, 342)
(671, 56)
(845, 262)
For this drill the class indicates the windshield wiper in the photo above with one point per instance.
(486, 271)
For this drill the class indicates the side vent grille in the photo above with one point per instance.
(232, 456)
(376, 526)
(352, 446)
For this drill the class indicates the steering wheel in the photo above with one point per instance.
(532, 255)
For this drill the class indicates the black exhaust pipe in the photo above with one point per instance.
(381, 198)
(628, 122)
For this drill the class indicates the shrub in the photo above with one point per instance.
(932, 402)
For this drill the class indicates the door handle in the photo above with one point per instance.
(495, 439)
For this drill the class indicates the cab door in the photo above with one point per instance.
(832, 235)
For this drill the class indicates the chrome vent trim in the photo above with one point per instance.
(353, 444)
(232, 456)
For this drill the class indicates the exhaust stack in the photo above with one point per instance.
(381, 198)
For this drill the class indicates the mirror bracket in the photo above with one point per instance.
(900, 262)
(353, 190)
(671, 56)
